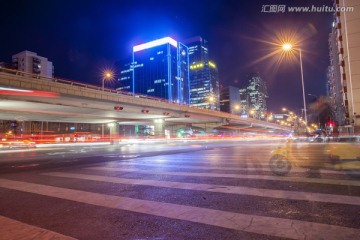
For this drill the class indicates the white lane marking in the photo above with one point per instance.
(57, 153)
(262, 167)
(237, 176)
(15, 230)
(2, 151)
(294, 229)
(281, 194)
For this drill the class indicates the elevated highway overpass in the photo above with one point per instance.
(28, 97)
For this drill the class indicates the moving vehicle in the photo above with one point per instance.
(340, 154)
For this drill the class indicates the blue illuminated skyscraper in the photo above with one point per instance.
(162, 70)
(204, 78)
(125, 69)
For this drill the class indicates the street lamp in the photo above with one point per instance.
(288, 47)
(107, 75)
(212, 101)
(252, 113)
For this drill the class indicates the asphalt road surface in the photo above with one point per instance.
(182, 190)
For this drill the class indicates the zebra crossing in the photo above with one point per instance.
(225, 191)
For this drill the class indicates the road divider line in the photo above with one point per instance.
(260, 168)
(279, 227)
(27, 150)
(260, 192)
(236, 176)
(14, 230)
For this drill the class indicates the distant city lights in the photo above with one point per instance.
(211, 64)
(197, 65)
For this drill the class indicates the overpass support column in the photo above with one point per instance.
(113, 131)
(172, 128)
(159, 128)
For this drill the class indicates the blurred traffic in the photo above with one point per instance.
(318, 152)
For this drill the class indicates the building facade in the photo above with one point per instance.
(230, 100)
(257, 94)
(244, 102)
(334, 86)
(30, 62)
(204, 77)
(162, 70)
(125, 81)
(347, 28)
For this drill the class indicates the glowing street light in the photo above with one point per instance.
(212, 101)
(107, 75)
(288, 47)
(252, 113)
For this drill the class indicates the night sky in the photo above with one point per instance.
(83, 37)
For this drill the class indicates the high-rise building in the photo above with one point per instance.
(27, 61)
(126, 72)
(334, 86)
(347, 25)
(257, 93)
(230, 100)
(162, 70)
(204, 77)
(244, 102)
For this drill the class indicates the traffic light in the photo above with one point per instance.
(145, 111)
(118, 108)
(330, 124)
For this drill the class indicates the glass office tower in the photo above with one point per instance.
(204, 80)
(162, 70)
(125, 79)
(257, 92)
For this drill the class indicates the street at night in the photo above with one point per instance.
(180, 120)
(210, 190)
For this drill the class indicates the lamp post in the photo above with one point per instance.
(236, 109)
(107, 75)
(288, 47)
(212, 101)
(252, 113)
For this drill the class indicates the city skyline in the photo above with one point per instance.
(93, 37)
